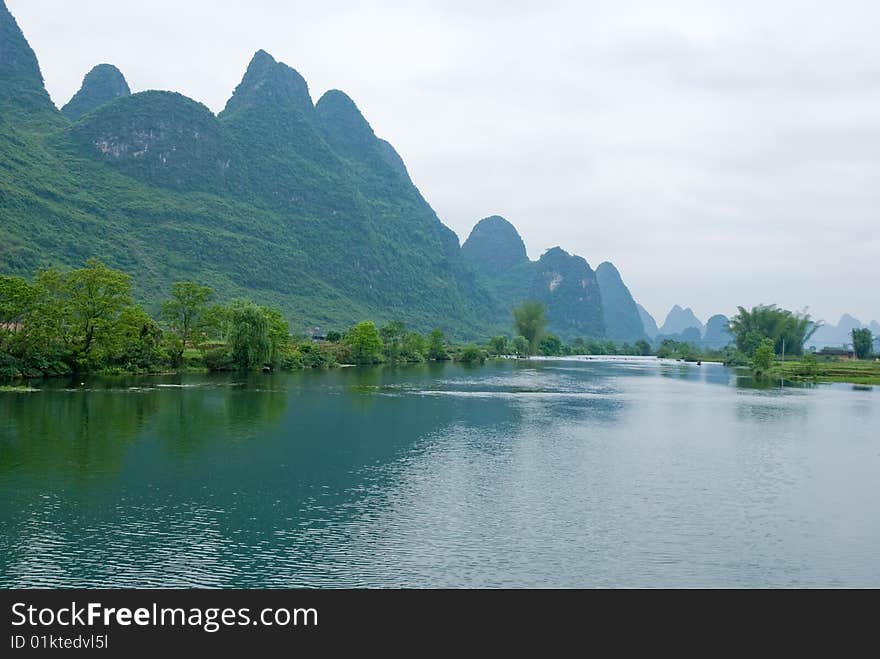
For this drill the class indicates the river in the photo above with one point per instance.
(554, 473)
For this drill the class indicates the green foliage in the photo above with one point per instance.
(765, 355)
(437, 346)
(185, 313)
(472, 354)
(551, 346)
(808, 367)
(393, 335)
(249, 339)
(414, 347)
(643, 348)
(219, 359)
(782, 327)
(530, 318)
(334, 337)
(863, 343)
(498, 345)
(364, 342)
(520, 346)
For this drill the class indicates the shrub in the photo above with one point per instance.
(219, 359)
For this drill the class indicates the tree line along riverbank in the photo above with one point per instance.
(86, 321)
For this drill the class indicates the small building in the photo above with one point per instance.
(836, 353)
(318, 334)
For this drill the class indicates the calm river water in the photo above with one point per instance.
(550, 473)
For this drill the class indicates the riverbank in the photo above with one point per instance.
(850, 372)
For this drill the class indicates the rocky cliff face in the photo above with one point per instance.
(649, 325)
(161, 138)
(565, 283)
(103, 84)
(622, 321)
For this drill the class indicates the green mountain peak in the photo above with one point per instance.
(494, 246)
(622, 319)
(22, 91)
(103, 84)
(269, 82)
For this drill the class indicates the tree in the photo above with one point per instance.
(550, 346)
(217, 322)
(279, 333)
(249, 338)
(642, 348)
(82, 308)
(139, 341)
(783, 327)
(764, 356)
(862, 343)
(668, 347)
(16, 298)
(364, 342)
(392, 335)
(471, 354)
(437, 346)
(521, 346)
(185, 311)
(498, 345)
(413, 348)
(530, 318)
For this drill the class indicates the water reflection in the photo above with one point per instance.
(541, 473)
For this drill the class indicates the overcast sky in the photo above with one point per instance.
(718, 153)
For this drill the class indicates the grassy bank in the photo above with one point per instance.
(853, 372)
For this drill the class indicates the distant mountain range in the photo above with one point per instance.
(682, 324)
(277, 199)
(840, 335)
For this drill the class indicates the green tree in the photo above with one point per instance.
(642, 348)
(530, 318)
(437, 346)
(472, 354)
(83, 306)
(279, 333)
(520, 346)
(249, 338)
(184, 312)
(667, 349)
(763, 358)
(139, 341)
(550, 346)
(498, 345)
(392, 335)
(16, 298)
(783, 327)
(217, 322)
(862, 343)
(414, 347)
(364, 343)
